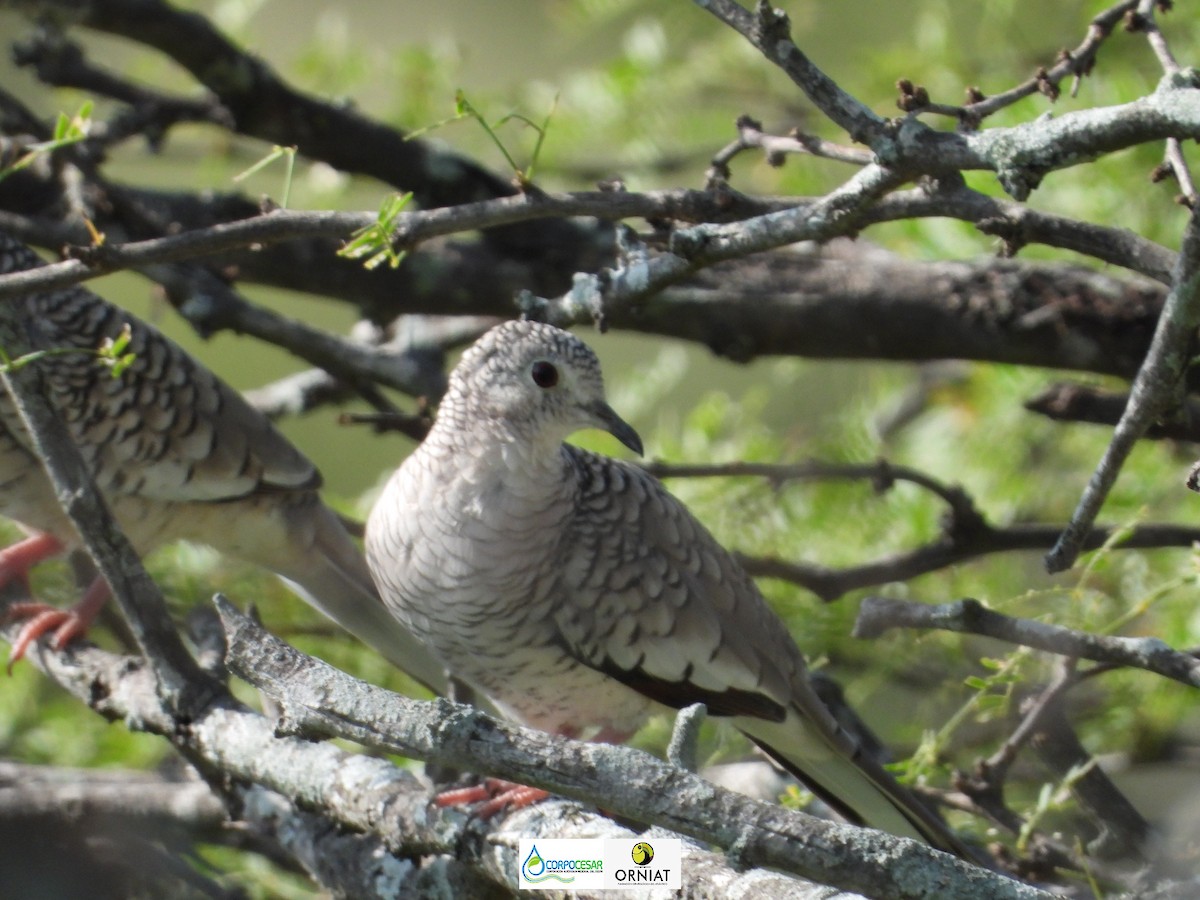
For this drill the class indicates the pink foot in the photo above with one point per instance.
(43, 619)
(17, 560)
(494, 795)
(66, 624)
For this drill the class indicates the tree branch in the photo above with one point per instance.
(830, 584)
(966, 532)
(372, 796)
(877, 615)
(1124, 831)
(752, 137)
(320, 700)
(1075, 64)
(118, 796)
(1066, 402)
(1158, 385)
(115, 559)
(768, 30)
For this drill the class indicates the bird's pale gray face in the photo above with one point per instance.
(540, 381)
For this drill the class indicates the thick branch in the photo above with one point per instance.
(319, 699)
(347, 863)
(371, 795)
(113, 795)
(846, 300)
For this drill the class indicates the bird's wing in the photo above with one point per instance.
(166, 427)
(651, 599)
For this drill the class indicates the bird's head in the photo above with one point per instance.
(535, 381)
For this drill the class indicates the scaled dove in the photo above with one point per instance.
(178, 454)
(575, 592)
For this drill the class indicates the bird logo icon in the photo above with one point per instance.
(642, 853)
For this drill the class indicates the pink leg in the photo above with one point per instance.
(494, 795)
(67, 624)
(17, 560)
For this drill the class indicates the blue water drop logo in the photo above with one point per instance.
(534, 865)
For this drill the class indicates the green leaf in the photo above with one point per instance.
(373, 243)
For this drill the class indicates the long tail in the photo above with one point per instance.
(329, 572)
(835, 768)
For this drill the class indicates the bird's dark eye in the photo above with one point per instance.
(545, 375)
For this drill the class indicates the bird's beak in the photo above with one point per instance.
(607, 419)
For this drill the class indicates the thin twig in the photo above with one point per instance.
(966, 532)
(881, 473)
(776, 147)
(996, 767)
(947, 550)
(1175, 163)
(1124, 830)
(877, 615)
(1157, 386)
(1075, 64)
(1143, 20)
(768, 29)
